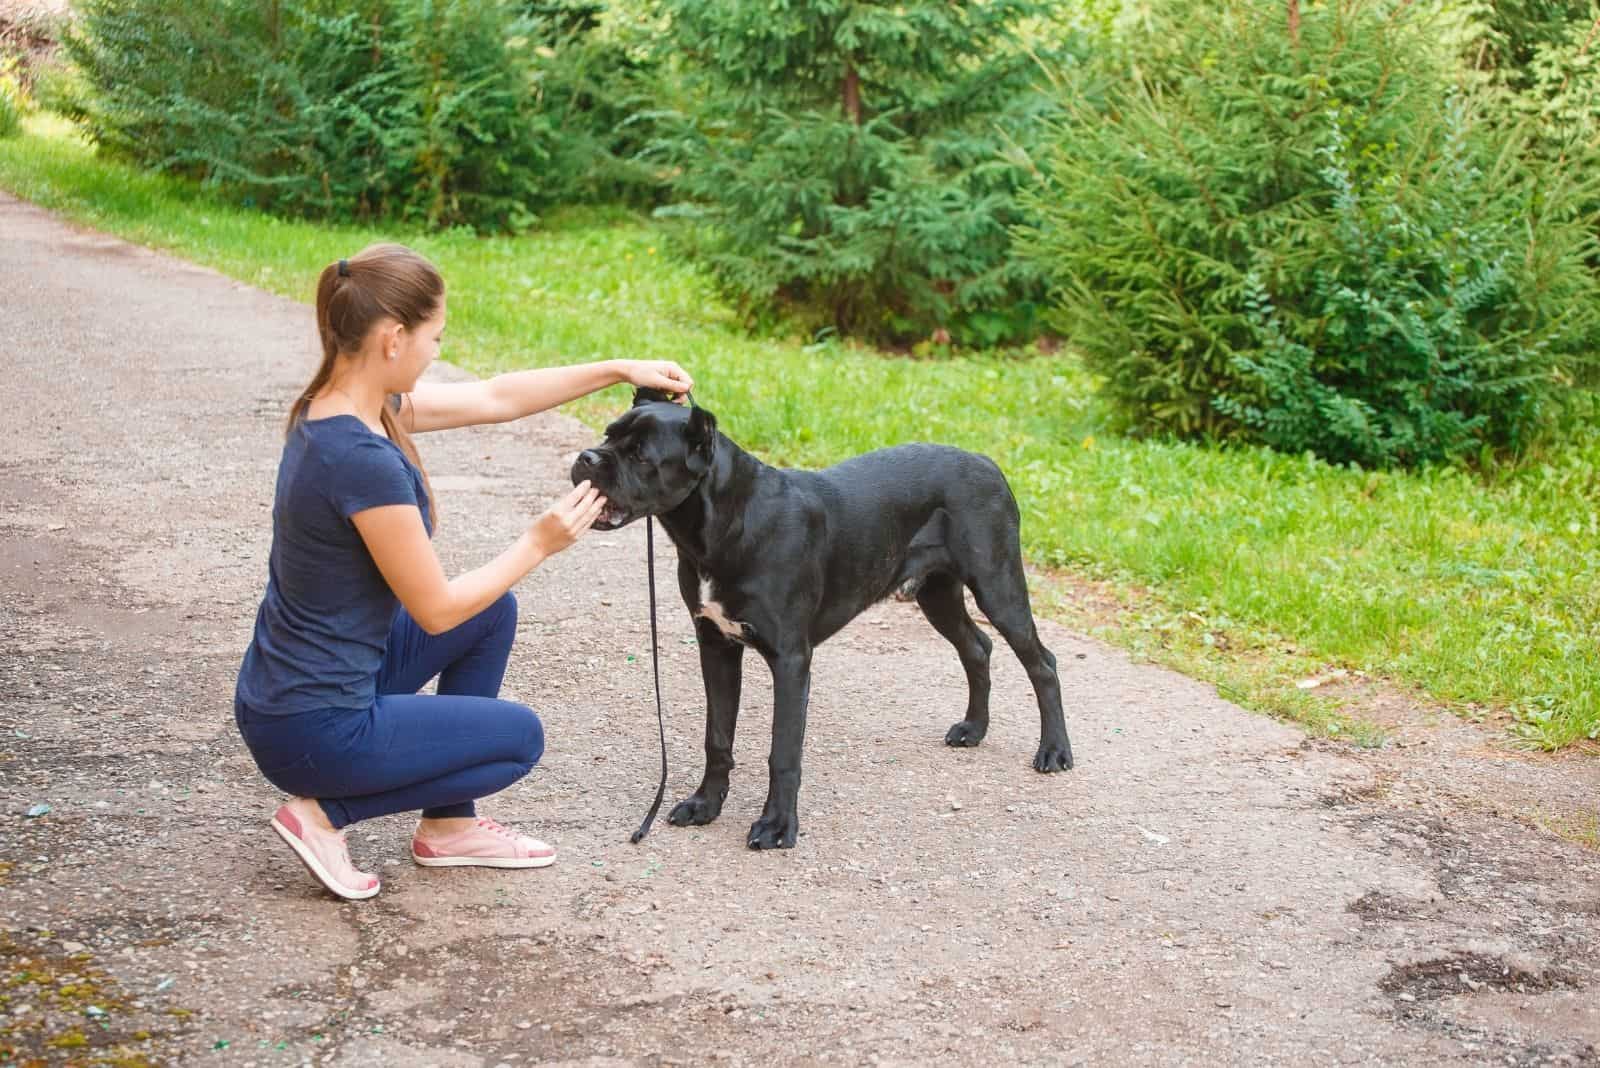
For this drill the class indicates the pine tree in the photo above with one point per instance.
(858, 162)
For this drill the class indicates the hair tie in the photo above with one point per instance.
(344, 268)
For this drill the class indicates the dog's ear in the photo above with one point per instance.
(650, 395)
(701, 433)
(621, 423)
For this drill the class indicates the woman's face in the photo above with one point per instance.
(416, 348)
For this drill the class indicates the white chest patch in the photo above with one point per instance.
(711, 610)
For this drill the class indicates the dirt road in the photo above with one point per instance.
(1206, 887)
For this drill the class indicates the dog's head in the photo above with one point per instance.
(651, 459)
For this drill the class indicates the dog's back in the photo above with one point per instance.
(889, 518)
(912, 475)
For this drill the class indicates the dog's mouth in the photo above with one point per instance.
(611, 517)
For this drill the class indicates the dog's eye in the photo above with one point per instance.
(636, 453)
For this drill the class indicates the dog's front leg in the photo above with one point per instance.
(721, 666)
(780, 817)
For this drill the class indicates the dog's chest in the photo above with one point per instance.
(712, 610)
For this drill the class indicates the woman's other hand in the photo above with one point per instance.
(658, 374)
(567, 520)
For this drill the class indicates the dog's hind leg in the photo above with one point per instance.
(1001, 590)
(721, 665)
(941, 601)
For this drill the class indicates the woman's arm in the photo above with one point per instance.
(443, 405)
(401, 548)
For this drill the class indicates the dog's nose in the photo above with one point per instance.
(589, 458)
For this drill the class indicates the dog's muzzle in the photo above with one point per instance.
(610, 518)
(590, 464)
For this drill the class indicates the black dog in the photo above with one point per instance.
(780, 560)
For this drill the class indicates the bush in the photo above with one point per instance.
(412, 109)
(1313, 241)
(13, 102)
(595, 79)
(1505, 36)
(850, 164)
(1557, 94)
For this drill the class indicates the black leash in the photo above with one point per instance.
(655, 666)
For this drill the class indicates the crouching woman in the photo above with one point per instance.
(358, 614)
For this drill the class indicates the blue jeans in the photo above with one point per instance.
(438, 753)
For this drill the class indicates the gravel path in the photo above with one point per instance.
(1207, 886)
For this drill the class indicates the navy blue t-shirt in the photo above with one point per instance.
(324, 620)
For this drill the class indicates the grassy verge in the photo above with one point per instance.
(1257, 569)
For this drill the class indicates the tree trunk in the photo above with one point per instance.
(1294, 22)
(852, 93)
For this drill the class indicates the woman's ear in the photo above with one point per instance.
(389, 339)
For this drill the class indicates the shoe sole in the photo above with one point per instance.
(484, 862)
(316, 869)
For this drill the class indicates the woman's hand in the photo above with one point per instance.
(567, 520)
(657, 374)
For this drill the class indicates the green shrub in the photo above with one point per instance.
(1540, 62)
(1557, 94)
(14, 102)
(1313, 241)
(850, 165)
(59, 86)
(431, 112)
(596, 79)
(1506, 36)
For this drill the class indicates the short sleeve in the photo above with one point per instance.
(370, 474)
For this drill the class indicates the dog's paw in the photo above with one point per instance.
(693, 811)
(1053, 756)
(774, 832)
(966, 733)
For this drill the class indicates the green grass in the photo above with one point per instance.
(1254, 568)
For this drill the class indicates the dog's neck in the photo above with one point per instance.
(698, 527)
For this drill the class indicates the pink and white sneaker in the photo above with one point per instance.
(485, 844)
(290, 829)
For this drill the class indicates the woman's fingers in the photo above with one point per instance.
(578, 501)
(664, 375)
(577, 493)
(569, 518)
(582, 515)
(678, 380)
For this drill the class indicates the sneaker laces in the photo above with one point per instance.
(490, 825)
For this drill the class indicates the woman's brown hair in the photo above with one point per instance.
(383, 281)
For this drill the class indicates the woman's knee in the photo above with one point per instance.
(505, 612)
(533, 742)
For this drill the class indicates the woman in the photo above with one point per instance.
(358, 614)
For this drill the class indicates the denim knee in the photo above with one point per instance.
(505, 613)
(533, 747)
